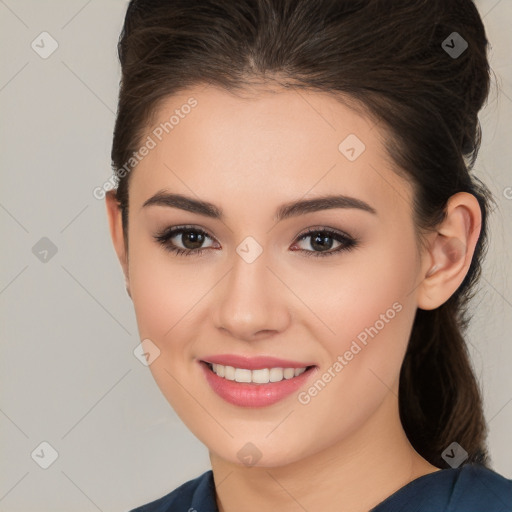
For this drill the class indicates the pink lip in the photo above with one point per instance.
(248, 394)
(254, 363)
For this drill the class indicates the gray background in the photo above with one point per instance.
(68, 373)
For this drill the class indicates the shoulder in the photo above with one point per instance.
(197, 494)
(479, 488)
(468, 488)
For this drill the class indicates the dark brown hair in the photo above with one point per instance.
(386, 58)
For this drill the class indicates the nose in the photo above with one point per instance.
(250, 303)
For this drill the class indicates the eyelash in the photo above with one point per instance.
(165, 236)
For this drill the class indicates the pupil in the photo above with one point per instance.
(320, 242)
(195, 239)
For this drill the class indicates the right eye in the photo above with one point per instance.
(191, 240)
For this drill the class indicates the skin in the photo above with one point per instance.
(346, 449)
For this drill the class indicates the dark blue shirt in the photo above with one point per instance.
(468, 488)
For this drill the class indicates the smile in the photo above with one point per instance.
(259, 387)
(261, 376)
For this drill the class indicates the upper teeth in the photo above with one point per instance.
(262, 376)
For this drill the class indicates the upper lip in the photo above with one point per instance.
(254, 363)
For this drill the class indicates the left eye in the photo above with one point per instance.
(192, 240)
(321, 239)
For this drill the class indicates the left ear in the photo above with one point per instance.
(451, 248)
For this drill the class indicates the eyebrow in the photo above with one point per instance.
(285, 211)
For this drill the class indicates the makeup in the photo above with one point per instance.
(272, 383)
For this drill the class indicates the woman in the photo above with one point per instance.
(300, 234)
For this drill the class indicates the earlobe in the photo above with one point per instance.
(450, 251)
(116, 232)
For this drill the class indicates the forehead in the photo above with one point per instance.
(262, 146)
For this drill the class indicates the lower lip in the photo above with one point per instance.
(246, 394)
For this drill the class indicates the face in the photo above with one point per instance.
(329, 287)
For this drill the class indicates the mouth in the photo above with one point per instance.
(259, 376)
(255, 388)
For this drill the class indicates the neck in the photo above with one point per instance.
(354, 475)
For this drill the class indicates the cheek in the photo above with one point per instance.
(161, 294)
(163, 299)
(371, 312)
(368, 309)
(365, 285)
